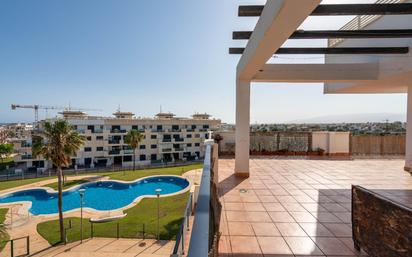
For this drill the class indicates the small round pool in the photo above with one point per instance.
(101, 196)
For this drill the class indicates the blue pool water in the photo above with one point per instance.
(105, 195)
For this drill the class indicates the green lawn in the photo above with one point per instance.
(67, 184)
(119, 175)
(15, 183)
(3, 234)
(171, 216)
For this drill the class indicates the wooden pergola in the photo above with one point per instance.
(372, 66)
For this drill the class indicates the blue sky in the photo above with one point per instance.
(143, 54)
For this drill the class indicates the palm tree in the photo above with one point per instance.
(58, 142)
(133, 139)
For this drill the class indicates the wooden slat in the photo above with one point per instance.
(335, 50)
(319, 34)
(340, 9)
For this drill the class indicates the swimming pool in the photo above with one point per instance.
(101, 196)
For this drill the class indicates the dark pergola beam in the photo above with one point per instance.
(340, 9)
(334, 50)
(319, 34)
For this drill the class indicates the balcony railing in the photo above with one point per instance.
(167, 140)
(114, 141)
(205, 232)
(114, 152)
(118, 131)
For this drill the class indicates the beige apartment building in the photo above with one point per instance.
(167, 139)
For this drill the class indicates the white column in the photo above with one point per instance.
(242, 128)
(408, 153)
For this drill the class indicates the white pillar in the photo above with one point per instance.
(242, 128)
(408, 152)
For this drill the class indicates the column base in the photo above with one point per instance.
(242, 174)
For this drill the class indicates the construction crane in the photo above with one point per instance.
(37, 107)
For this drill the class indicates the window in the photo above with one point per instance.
(87, 149)
(143, 157)
(99, 148)
(159, 127)
(197, 135)
(205, 126)
(142, 147)
(91, 128)
(153, 157)
(135, 127)
(193, 126)
(189, 145)
(153, 136)
(175, 127)
(127, 158)
(197, 144)
(99, 138)
(153, 146)
(89, 138)
(207, 136)
(189, 135)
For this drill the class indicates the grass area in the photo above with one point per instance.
(118, 175)
(135, 174)
(3, 233)
(67, 184)
(131, 226)
(15, 183)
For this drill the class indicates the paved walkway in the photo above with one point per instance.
(111, 247)
(299, 207)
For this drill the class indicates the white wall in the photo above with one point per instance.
(331, 142)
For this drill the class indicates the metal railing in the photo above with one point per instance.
(12, 253)
(179, 249)
(205, 231)
(360, 22)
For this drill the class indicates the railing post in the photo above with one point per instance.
(91, 229)
(183, 241)
(28, 245)
(12, 248)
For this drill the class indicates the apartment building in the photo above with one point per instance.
(167, 138)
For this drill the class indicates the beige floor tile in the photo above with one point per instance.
(240, 229)
(290, 229)
(265, 229)
(281, 217)
(244, 245)
(302, 246)
(274, 246)
(316, 229)
(332, 246)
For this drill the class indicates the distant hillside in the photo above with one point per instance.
(355, 118)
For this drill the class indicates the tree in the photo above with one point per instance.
(5, 151)
(58, 142)
(133, 139)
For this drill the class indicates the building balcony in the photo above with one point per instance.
(114, 142)
(26, 157)
(118, 131)
(128, 151)
(114, 152)
(166, 140)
